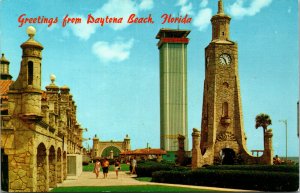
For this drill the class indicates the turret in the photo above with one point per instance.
(28, 83)
(95, 146)
(52, 94)
(127, 143)
(220, 24)
(4, 68)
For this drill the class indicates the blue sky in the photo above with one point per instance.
(113, 70)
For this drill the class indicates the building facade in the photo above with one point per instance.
(40, 135)
(222, 132)
(172, 47)
(109, 149)
(142, 154)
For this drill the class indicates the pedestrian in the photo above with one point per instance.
(130, 165)
(97, 168)
(134, 164)
(105, 166)
(117, 167)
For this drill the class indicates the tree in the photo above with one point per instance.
(263, 120)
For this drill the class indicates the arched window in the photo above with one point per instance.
(225, 109)
(225, 84)
(30, 72)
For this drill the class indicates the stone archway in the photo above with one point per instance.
(106, 152)
(64, 165)
(52, 167)
(41, 168)
(228, 156)
(59, 166)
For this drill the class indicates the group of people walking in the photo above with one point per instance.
(105, 166)
(117, 166)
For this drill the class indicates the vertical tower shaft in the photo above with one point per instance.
(222, 120)
(172, 47)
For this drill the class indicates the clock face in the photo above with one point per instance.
(225, 59)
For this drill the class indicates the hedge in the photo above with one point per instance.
(279, 168)
(248, 180)
(147, 168)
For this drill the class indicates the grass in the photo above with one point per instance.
(144, 179)
(141, 188)
(90, 167)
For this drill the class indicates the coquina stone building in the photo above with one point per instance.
(109, 149)
(222, 132)
(41, 140)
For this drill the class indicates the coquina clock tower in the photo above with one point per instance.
(222, 131)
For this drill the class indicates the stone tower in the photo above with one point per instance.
(26, 90)
(4, 68)
(222, 129)
(172, 47)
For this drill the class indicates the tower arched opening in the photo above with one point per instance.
(228, 156)
(41, 168)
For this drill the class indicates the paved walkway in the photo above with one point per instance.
(89, 179)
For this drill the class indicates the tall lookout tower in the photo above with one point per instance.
(222, 133)
(172, 47)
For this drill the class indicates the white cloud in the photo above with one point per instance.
(186, 9)
(202, 19)
(112, 8)
(146, 5)
(204, 3)
(239, 10)
(181, 2)
(112, 52)
(82, 30)
(117, 8)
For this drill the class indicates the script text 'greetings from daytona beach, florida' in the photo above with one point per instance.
(132, 19)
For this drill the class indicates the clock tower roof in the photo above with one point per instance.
(220, 25)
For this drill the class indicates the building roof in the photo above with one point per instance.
(4, 86)
(146, 151)
(177, 33)
(3, 60)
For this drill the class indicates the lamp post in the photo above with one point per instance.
(285, 122)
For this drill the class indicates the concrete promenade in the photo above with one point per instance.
(89, 179)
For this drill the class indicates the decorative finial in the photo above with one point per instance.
(31, 31)
(52, 78)
(220, 7)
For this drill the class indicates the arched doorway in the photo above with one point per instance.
(52, 163)
(41, 168)
(107, 152)
(228, 156)
(4, 171)
(58, 164)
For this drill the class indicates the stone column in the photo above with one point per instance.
(59, 167)
(52, 168)
(196, 152)
(268, 147)
(47, 170)
(111, 154)
(180, 151)
(64, 165)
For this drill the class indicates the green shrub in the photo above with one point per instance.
(279, 168)
(85, 163)
(145, 170)
(247, 179)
